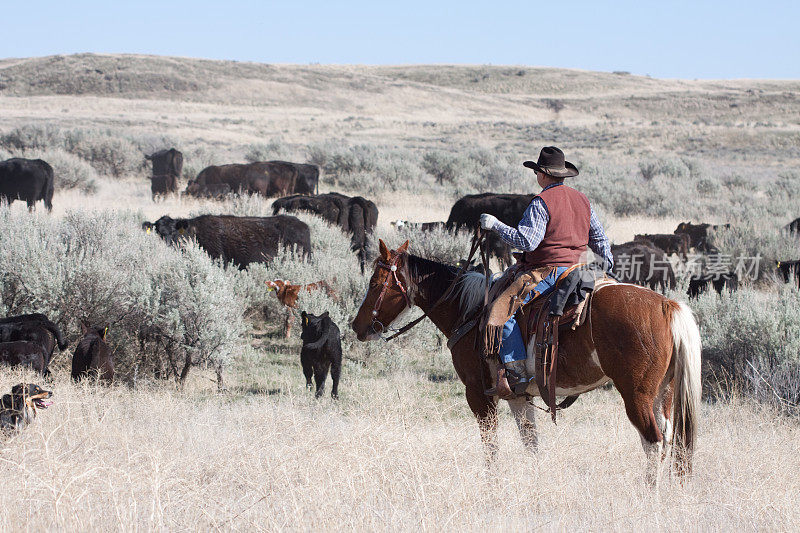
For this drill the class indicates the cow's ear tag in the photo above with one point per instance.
(148, 231)
(181, 231)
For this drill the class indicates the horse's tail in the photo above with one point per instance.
(686, 403)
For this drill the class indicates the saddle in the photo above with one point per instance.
(566, 306)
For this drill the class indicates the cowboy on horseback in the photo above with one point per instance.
(553, 235)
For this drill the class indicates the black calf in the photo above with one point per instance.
(789, 271)
(23, 353)
(35, 328)
(322, 350)
(720, 282)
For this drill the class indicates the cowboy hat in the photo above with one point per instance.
(551, 162)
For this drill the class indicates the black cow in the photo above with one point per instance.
(321, 351)
(264, 178)
(307, 177)
(166, 162)
(242, 240)
(216, 191)
(789, 271)
(671, 243)
(331, 207)
(357, 216)
(35, 328)
(793, 227)
(362, 219)
(700, 234)
(508, 208)
(29, 180)
(720, 282)
(163, 185)
(92, 355)
(638, 262)
(24, 353)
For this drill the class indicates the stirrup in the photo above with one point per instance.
(517, 382)
(507, 393)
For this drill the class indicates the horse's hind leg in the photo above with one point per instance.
(662, 408)
(639, 407)
(524, 411)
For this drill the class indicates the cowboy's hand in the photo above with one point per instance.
(488, 221)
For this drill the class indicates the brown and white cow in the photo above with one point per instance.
(288, 293)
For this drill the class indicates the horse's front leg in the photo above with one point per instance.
(485, 410)
(524, 411)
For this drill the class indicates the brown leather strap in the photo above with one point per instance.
(551, 378)
(477, 239)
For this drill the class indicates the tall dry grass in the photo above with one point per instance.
(393, 454)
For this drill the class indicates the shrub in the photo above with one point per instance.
(554, 105)
(32, 137)
(168, 309)
(665, 167)
(751, 341)
(439, 245)
(441, 165)
(274, 149)
(69, 171)
(200, 157)
(109, 153)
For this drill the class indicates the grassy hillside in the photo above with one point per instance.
(412, 105)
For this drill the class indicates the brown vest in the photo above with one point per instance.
(567, 233)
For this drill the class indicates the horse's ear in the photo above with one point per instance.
(84, 328)
(383, 249)
(403, 248)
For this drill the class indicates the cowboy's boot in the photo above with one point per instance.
(517, 376)
(502, 388)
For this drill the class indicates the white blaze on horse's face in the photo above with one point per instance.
(387, 297)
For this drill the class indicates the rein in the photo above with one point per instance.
(477, 238)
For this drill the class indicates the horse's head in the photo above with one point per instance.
(387, 296)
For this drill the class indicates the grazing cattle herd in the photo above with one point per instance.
(30, 340)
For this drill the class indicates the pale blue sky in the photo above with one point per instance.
(700, 39)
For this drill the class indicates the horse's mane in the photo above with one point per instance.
(469, 290)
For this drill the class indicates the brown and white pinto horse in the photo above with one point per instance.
(648, 345)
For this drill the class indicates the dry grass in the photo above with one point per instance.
(394, 453)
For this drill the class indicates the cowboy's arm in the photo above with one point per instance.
(598, 242)
(530, 231)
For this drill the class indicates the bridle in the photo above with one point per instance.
(391, 266)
